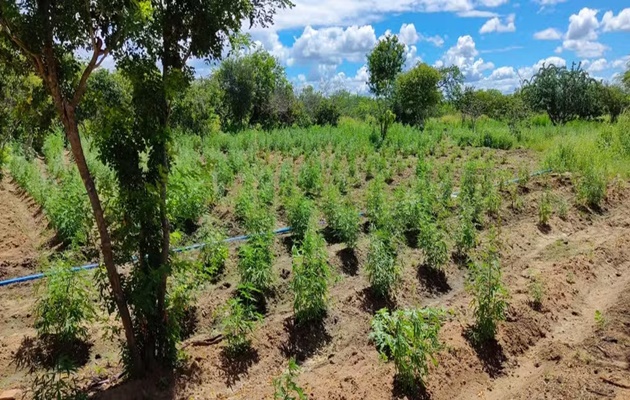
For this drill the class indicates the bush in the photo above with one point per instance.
(255, 262)
(466, 237)
(65, 309)
(544, 209)
(300, 212)
(238, 322)
(285, 387)
(489, 297)
(410, 339)
(310, 277)
(214, 254)
(591, 187)
(327, 113)
(431, 240)
(342, 217)
(310, 177)
(383, 272)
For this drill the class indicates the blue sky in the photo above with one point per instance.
(496, 43)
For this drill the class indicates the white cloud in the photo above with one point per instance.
(477, 14)
(549, 2)
(582, 26)
(548, 34)
(491, 3)
(619, 23)
(597, 65)
(343, 13)
(507, 79)
(585, 48)
(495, 25)
(581, 37)
(464, 55)
(409, 35)
(621, 62)
(333, 45)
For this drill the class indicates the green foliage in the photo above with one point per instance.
(544, 209)
(564, 94)
(255, 262)
(385, 62)
(431, 239)
(410, 339)
(285, 387)
(327, 113)
(600, 320)
(379, 212)
(300, 212)
(214, 254)
(57, 385)
(383, 271)
(310, 177)
(310, 277)
(65, 308)
(536, 291)
(342, 217)
(614, 101)
(416, 94)
(591, 187)
(466, 236)
(239, 320)
(489, 301)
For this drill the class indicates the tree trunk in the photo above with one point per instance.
(69, 120)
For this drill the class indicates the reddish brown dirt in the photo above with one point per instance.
(557, 352)
(22, 232)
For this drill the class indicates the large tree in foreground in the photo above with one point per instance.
(141, 34)
(416, 94)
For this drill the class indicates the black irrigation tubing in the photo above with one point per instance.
(197, 246)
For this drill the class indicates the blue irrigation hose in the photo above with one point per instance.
(241, 238)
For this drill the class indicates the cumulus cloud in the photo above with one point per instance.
(341, 13)
(333, 45)
(619, 23)
(507, 79)
(581, 36)
(464, 55)
(495, 25)
(409, 35)
(548, 34)
(477, 14)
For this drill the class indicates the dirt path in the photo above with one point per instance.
(23, 232)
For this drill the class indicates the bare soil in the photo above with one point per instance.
(558, 351)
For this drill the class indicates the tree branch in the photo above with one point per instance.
(94, 62)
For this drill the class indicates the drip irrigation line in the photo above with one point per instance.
(241, 238)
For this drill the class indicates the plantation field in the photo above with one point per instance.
(400, 225)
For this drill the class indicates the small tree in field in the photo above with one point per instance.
(385, 62)
(416, 94)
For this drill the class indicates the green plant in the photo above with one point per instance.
(489, 301)
(431, 239)
(410, 339)
(342, 217)
(214, 254)
(383, 271)
(285, 387)
(64, 308)
(300, 212)
(536, 291)
(544, 209)
(591, 187)
(600, 320)
(57, 385)
(239, 320)
(310, 177)
(310, 277)
(255, 262)
(466, 237)
(378, 210)
(563, 209)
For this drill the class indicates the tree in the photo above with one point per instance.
(249, 83)
(469, 104)
(614, 101)
(385, 62)
(451, 82)
(563, 94)
(625, 78)
(198, 109)
(48, 35)
(416, 94)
